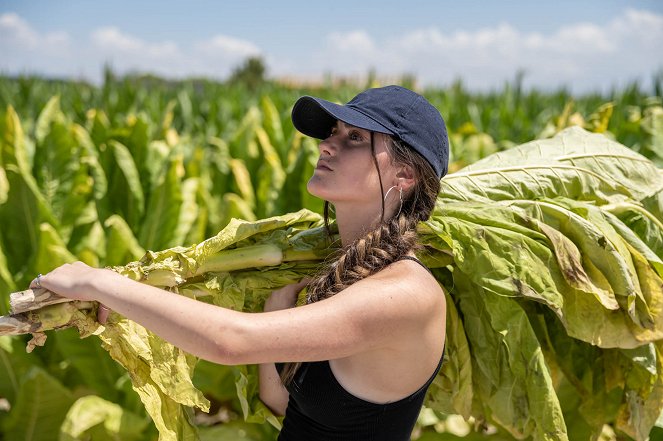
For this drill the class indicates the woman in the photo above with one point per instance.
(356, 361)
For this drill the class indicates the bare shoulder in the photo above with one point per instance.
(410, 278)
(403, 289)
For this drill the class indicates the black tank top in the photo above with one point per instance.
(320, 409)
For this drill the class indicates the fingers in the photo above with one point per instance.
(102, 313)
(302, 283)
(36, 282)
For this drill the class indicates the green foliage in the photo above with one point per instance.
(40, 407)
(102, 174)
(92, 417)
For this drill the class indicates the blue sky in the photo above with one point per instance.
(585, 45)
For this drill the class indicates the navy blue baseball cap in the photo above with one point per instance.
(393, 110)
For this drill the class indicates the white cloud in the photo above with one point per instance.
(17, 34)
(214, 57)
(223, 45)
(53, 54)
(353, 42)
(645, 26)
(14, 30)
(218, 55)
(583, 55)
(126, 52)
(111, 38)
(26, 50)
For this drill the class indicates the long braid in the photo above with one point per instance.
(377, 249)
(366, 256)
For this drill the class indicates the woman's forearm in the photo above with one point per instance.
(272, 392)
(207, 331)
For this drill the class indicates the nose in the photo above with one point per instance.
(327, 146)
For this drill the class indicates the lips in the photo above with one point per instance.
(322, 165)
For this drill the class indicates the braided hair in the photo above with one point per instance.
(388, 242)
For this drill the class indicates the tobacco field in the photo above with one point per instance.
(547, 237)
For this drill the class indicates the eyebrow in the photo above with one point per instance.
(346, 125)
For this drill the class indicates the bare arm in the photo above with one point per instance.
(272, 392)
(370, 314)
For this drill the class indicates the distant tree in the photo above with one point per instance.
(250, 73)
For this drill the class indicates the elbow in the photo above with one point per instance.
(231, 346)
(227, 356)
(230, 351)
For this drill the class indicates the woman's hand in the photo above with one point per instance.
(285, 297)
(73, 280)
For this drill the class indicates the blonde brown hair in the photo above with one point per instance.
(390, 241)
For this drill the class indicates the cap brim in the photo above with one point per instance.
(315, 117)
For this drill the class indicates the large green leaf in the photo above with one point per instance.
(646, 232)
(4, 185)
(238, 430)
(14, 149)
(271, 178)
(254, 410)
(215, 381)
(66, 171)
(88, 240)
(94, 369)
(40, 409)
(242, 143)
(157, 155)
(589, 380)
(134, 133)
(122, 245)
(272, 125)
(452, 391)
(161, 375)
(92, 417)
(298, 173)
(242, 182)
(59, 169)
(184, 101)
(164, 208)
(597, 242)
(14, 363)
(512, 379)
(52, 251)
(507, 252)
(25, 207)
(7, 284)
(125, 187)
(51, 113)
(574, 164)
(652, 125)
(643, 392)
(90, 158)
(189, 211)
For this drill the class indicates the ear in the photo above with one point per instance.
(405, 177)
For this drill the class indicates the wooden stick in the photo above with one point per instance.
(32, 299)
(15, 325)
(30, 322)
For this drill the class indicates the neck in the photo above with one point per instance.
(355, 222)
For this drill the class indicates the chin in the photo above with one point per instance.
(316, 188)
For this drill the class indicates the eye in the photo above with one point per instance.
(356, 136)
(332, 132)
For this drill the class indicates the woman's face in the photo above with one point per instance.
(346, 173)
